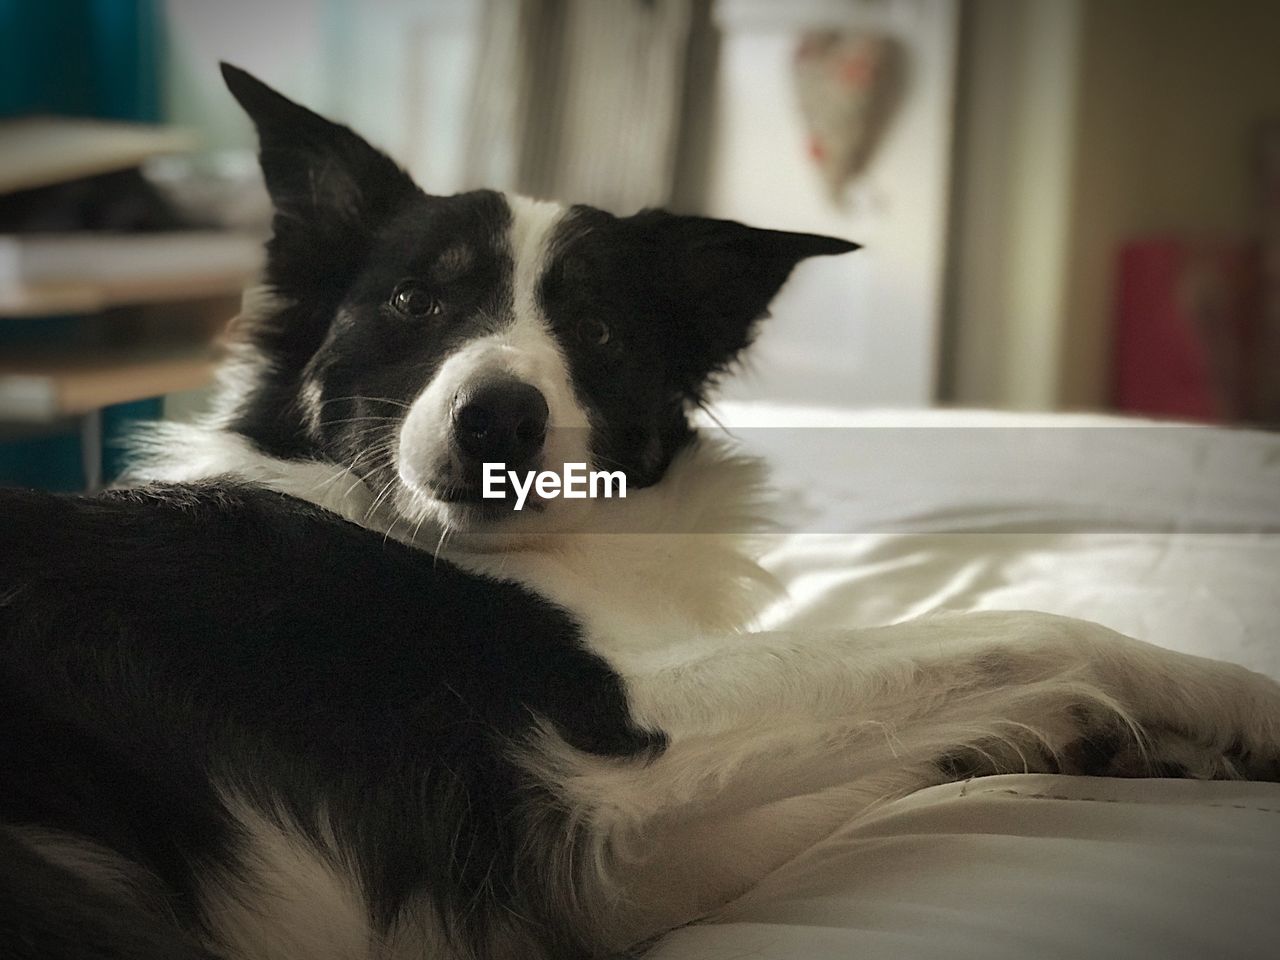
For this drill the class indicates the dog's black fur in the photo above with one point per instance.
(156, 638)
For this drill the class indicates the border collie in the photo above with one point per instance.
(249, 710)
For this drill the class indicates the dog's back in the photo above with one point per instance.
(192, 675)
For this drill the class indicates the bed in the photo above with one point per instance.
(1169, 533)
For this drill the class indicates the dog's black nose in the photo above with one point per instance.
(500, 421)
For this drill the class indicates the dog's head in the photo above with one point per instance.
(414, 338)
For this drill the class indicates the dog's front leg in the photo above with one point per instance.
(772, 740)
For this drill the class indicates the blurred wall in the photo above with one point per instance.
(1171, 96)
(1015, 123)
(860, 329)
(1085, 123)
(855, 330)
(282, 41)
(398, 71)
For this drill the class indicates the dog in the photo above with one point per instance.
(302, 691)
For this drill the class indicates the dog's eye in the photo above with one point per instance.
(594, 332)
(411, 299)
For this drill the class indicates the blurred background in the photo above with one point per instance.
(1066, 204)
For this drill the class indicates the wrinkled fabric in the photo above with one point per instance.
(1021, 867)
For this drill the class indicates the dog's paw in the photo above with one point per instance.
(1168, 753)
(1241, 739)
(1231, 732)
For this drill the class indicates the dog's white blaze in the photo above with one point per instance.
(533, 225)
(527, 344)
(524, 348)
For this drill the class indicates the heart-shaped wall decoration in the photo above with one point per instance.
(847, 82)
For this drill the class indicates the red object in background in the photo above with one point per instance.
(1186, 329)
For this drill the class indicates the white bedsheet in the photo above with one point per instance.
(1169, 535)
(1024, 868)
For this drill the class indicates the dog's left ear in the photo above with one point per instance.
(717, 278)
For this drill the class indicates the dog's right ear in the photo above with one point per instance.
(714, 279)
(329, 187)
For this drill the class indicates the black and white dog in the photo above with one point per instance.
(248, 709)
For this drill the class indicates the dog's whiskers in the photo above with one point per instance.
(357, 397)
(371, 458)
(445, 530)
(377, 417)
(604, 461)
(380, 498)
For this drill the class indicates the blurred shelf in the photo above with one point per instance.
(46, 389)
(47, 274)
(37, 151)
(60, 299)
